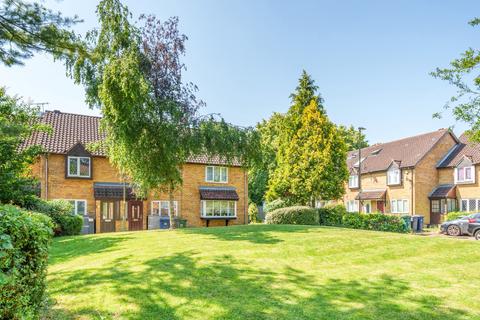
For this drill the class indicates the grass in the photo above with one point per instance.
(264, 272)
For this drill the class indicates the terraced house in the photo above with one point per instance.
(213, 192)
(404, 176)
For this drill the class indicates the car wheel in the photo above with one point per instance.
(477, 235)
(453, 230)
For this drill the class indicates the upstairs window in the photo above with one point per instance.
(79, 167)
(353, 181)
(216, 174)
(393, 176)
(465, 175)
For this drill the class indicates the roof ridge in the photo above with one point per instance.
(71, 113)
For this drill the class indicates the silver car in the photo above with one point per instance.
(459, 226)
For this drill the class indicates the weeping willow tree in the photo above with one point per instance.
(151, 117)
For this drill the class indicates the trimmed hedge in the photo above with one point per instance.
(455, 215)
(332, 215)
(375, 221)
(293, 215)
(24, 240)
(274, 205)
(66, 223)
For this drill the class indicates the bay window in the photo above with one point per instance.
(218, 208)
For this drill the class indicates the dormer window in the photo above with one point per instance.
(393, 176)
(465, 175)
(79, 167)
(216, 174)
(353, 181)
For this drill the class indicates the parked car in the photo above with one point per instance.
(474, 229)
(459, 226)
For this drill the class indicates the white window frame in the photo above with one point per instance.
(353, 181)
(364, 206)
(78, 175)
(353, 205)
(477, 204)
(203, 209)
(213, 174)
(75, 205)
(397, 180)
(465, 180)
(395, 206)
(175, 207)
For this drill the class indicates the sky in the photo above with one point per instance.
(370, 59)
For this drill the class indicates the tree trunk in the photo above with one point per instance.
(172, 207)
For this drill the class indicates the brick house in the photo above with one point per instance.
(458, 183)
(213, 192)
(399, 177)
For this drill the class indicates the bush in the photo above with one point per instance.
(331, 215)
(375, 221)
(66, 223)
(455, 215)
(253, 213)
(274, 205)
(24, 241)
(293, 215)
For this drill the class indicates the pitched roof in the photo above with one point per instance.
(465, 148)
(443, 191)
(407, 152)
(70, 129)
(218, 193)
(371, 195)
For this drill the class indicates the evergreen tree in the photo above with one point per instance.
(353, 139)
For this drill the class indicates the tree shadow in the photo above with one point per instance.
(66, 248)
(259, 234)
(185, 286)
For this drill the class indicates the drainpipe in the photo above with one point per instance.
(46, 176)
(412, 191)
(245, 192)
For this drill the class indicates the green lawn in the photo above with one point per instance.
(264, 272)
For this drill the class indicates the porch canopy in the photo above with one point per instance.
(218, 193)
(444, 191)
(113, 190)
(378, 195)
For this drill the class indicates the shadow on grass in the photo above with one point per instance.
(261, 234)
(184, 286)
(66, 248)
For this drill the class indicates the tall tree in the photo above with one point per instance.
(26, 28)
(463, 74)
(310, 153)
(261, 170)
(150, 117)
(353, 139)
(17, 123)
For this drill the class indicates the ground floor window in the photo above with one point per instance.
(470, 205)
(218, 208)
(79, 206)
(443, 205)
(399, 206)
(352, 206)
(162, 208)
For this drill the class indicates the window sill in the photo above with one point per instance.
(218, 218)
(464, 182)
(78, 177)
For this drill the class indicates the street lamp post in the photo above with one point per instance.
(360, 129)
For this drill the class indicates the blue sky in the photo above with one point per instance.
(371, 59)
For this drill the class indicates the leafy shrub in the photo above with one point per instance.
(253, 213)
(375, 221)
(66, 223)
(455, 215)
(331, 215)
(24, 241)
(293, 215)
(274, 205)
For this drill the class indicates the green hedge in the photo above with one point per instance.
(24, 241)
(375, 221)
(455, 215)
(253, 213)
(332, 215)
(274, 205)
(66, 223)
(293, 215)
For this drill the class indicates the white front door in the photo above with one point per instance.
(367, 206)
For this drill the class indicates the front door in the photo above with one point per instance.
(380, 206)
(135, 215)
(108, 213)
